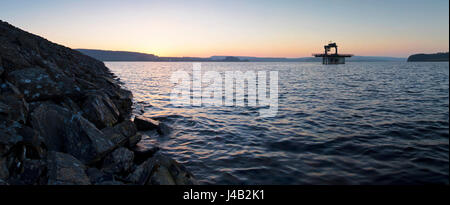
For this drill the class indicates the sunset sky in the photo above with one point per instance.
(240, 28)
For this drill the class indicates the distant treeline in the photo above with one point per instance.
(135, 56)
(435, 57)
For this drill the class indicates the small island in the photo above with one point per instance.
(435, 57)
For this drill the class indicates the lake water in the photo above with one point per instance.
(358, 123)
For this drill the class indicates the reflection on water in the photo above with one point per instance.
(358, 123)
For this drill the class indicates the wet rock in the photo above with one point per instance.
(164, 129)
(118, 161)
(143, 152)
(162, 176)
(100, 110)
(127, 128)
(144, 123)
(134, 140)
(164, 165)
(64, 169)
(122, 133)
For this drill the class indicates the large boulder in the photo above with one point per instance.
(50, 121)
(142, 173)
(84, 141)
(144, 123)
(32, 172)
(64, 169)
(12, 103)
(161, 170)
(168, 171)
(36, 84)
(119, 161)
(65, 131)
(100, 110)
(122, 134)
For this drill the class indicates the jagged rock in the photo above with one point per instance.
(50, 121)
(164, 129)
(35, 83)
(144, 123)
(127, 128)
(143, 152)
(161, 176)
(115, 136)
(96, 176)
(161, 170)
(71, 133)
(4, 171)
(32, 172)
(142, 173)
(164, 165)
(122, 133)
(100, 110)
(134, 140)
(118, 161)
(8, 136)
(64, 169)
(12, 103)
(84, 141)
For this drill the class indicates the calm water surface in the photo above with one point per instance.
(358, 123)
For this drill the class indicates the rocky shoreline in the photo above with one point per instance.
(65, 120)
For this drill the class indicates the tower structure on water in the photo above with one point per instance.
(332, 58)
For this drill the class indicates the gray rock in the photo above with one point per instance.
(144, 123)
(32, 172)
(64, 169)
(35, 83)
(122, 133)
(71, 133)
(118, 161)
(141, 174)
(143, 152)
(84, 141)
(4, 169)
(162, 176)
(50, 121)
(134, 140)
(100, 110)
(164, 129)
(127, 128)
(164, 165)
(115, 136)
(12, 103)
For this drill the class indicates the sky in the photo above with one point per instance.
(282, 28)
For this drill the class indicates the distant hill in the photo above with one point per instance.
(118, 55)
(435, 57)
(104, 55)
